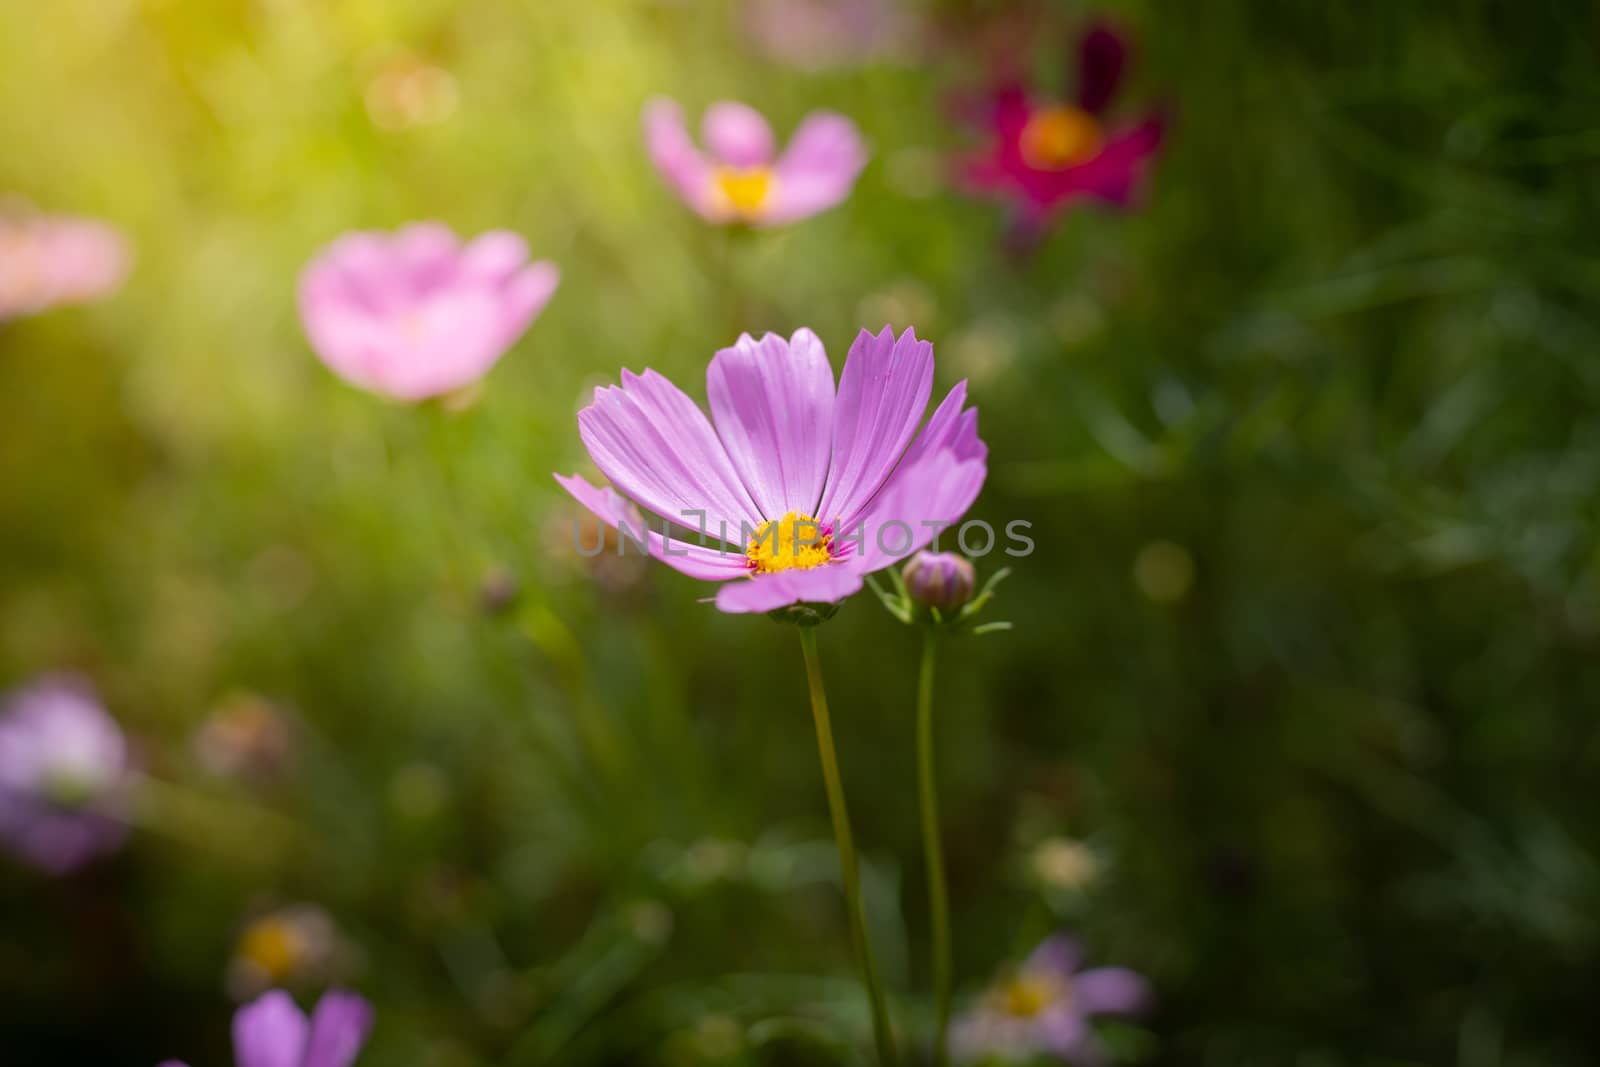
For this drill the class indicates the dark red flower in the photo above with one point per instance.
(1045, 153)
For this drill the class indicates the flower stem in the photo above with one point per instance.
(933, 847)
(850, 874)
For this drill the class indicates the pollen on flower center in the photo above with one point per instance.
(1026, 996)
(794, 542)
(745, 189)
(1056, 138)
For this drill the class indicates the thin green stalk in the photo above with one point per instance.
(850, 873)
(933, 847)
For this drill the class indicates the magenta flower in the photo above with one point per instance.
(1044, 1008)
(64, 776)
(1045, 154)
(741, 177)
(50, 261)
(416, 314)
(803, 489)
(271, 1031)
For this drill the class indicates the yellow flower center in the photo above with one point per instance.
(745, 190)
(1028, 995)
(1056, 138)
(273, 945)
(795, 542)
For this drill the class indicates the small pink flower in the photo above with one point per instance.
(65, 776)
(416, 314)
(48, 261)
(1044, 1008)
(1044, 154)
(741, 177)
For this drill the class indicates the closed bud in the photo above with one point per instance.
(940, 580)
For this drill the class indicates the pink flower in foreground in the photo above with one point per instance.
(1043, 154)
(741, 177)
(806, 488)
(49, 261)
(271, 1032)
(64, 776)
(417, 314)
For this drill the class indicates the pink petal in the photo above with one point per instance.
(427, 253)
(1111, 991)
(449, 341)
(949, 427)
(882, 394)
(675, 155)
(768, 592)
(526, 294)
(697, 561)
(817, 170)
(659, 449)
(269, 1032)
(339, 1027)
(1114, 174)
(494, 256)
(773, 405)
(1065, 1032)
(1059, 955)
(737, 135)
(920, 502)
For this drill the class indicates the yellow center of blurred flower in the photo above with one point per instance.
(745, 190)
(273, 945)
(1056, 138)
(1027, 995)
(793, 543)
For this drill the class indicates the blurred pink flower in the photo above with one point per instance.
(1044, 1008)
(1044, 153)
(416, 314)
(47, 261)
(64, 776)
(817, 34)
(741, 177)
(819, 488)
(271, 1031)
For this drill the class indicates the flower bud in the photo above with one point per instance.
(940, 580)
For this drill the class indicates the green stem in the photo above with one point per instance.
(933, 846)
(849, 872)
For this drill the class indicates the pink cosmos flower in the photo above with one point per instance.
(65, 775)
(741, 177)
(1044, 153)
(50, 261)
(271, 1032)
(1044, 1008)
(416, 314)
(806, 489)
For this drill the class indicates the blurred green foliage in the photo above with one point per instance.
(1307, 653)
